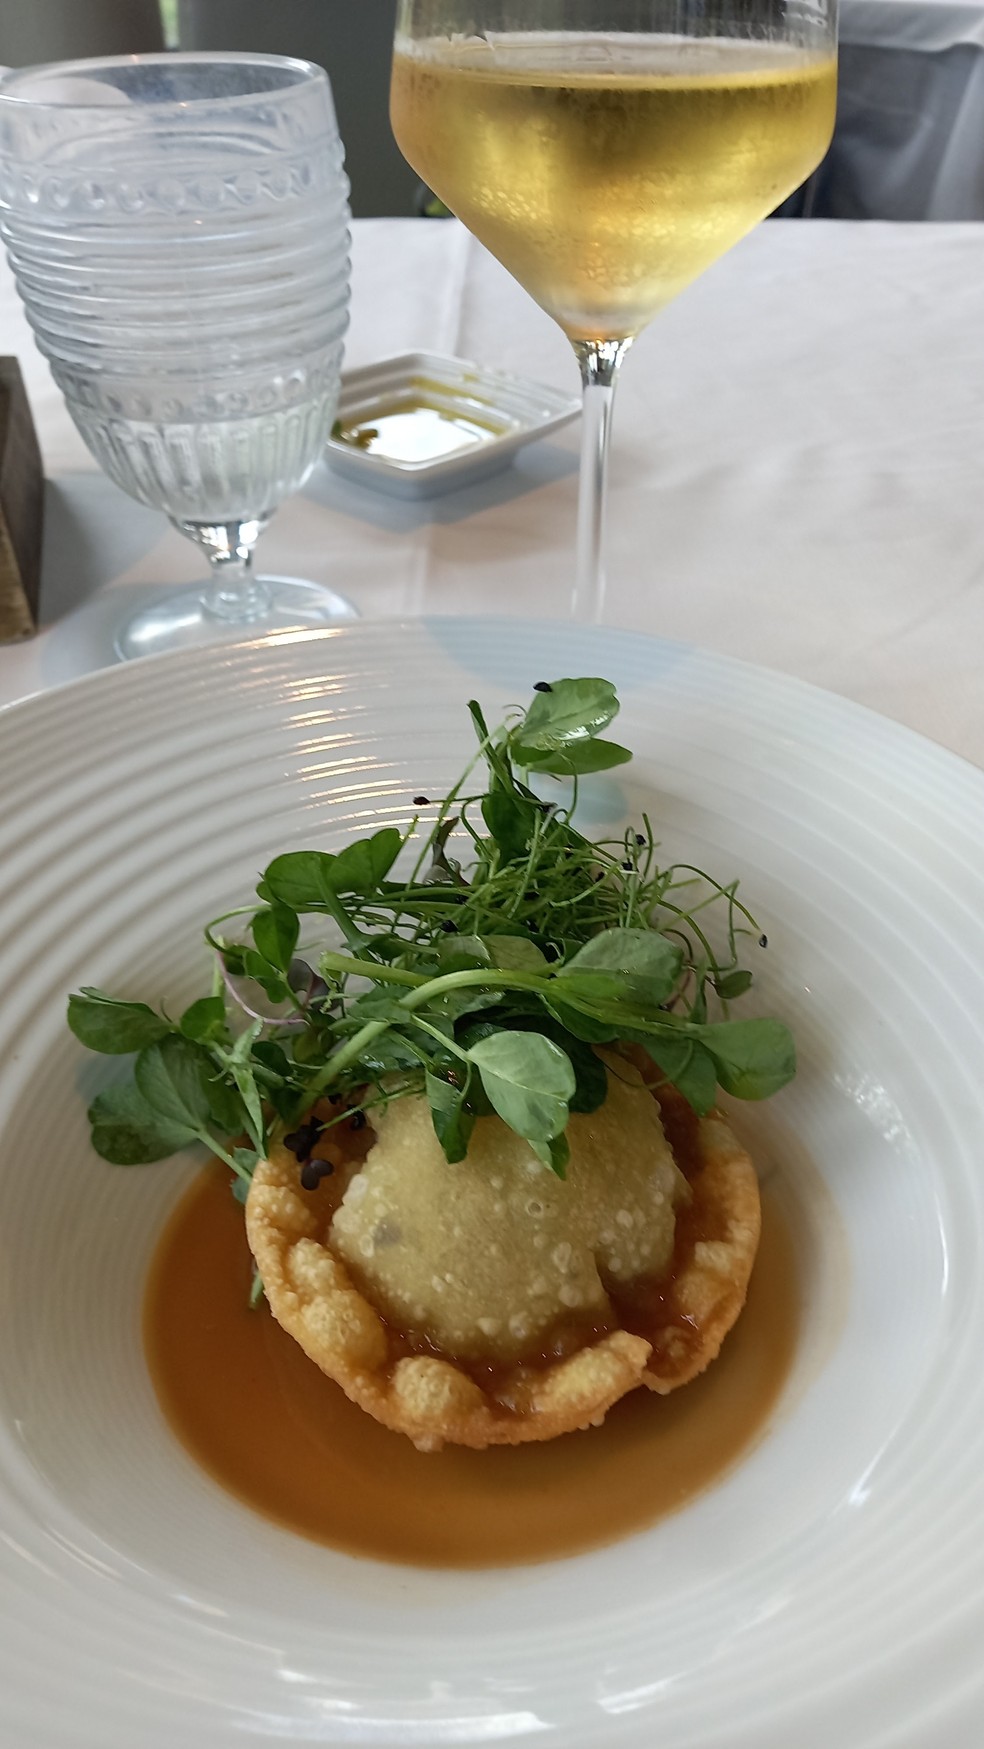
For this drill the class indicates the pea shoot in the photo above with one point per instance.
(482, 977)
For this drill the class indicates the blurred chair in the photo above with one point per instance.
(909, 140)
(353, 39)
(62, 30)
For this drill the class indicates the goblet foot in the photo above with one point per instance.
(186, 620)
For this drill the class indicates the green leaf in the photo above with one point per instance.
(310, 1046)
(514, 953)
(205, 1019)
(455, 1004)
(670, 1054)
(529, 1081)
(129, 1132)
(361, 866)
(435, 1021)
(583, 1026)
(116, 1028)
(587, 980)
(511, 819)
(453, 1121)
(275, 933)
(174, 1078)
(732, 984)
(247, 1159)
(269, 978)
(390, 1054)
(284, 1099)
(754, 1058)
(576, 759)
(591, 1090)
(240, 1067)
(273, 1058)
(592, 987)
(442, 867)
(300, 879)
(473, 1030)
(690, 1068)
(225, 1107)
(385, 947)
(556, 1154)
(573, 710)
(377, 1003)
(592, 1078)
(649, 964)
(461, 953)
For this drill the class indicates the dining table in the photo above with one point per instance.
(795, 498)
(795, 476)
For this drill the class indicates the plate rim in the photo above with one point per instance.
(122, 674)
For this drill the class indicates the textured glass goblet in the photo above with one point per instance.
(178, 229)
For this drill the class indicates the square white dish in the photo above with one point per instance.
(479, 419)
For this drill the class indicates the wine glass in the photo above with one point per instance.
(178, 229)
(607, 151)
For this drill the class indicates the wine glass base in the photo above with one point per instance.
(183, 621)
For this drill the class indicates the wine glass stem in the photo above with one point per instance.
(234, 591)
(599, 361)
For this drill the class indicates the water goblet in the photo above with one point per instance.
(608, 151)
(178, 230)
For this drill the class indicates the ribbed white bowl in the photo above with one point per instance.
(831, 1590)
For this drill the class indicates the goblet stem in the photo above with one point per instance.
(234, 593)
(599, 361)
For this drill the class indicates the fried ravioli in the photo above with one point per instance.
(488, 1302)
(488, 1256)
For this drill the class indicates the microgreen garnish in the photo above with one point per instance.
(482, 977)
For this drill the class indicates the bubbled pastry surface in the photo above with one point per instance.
(488, 1255)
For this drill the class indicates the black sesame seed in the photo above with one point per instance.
(542, 686)
(421, 802)
(313, 1171)
(551, 951)
(302, 1140)
(357, 1121)
(763, 941)
(628, 865)
(640, 840)
(449, 927)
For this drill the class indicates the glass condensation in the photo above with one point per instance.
(178, 230)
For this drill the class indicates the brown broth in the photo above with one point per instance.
(267, 1424)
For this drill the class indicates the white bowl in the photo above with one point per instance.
(830, 1589)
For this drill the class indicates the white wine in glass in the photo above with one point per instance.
(607, 151)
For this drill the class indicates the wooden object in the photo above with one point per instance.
(21, 509)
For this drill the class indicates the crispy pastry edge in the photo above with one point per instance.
(433, 1400)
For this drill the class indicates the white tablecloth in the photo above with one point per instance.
(796, 477)
(910, 117)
